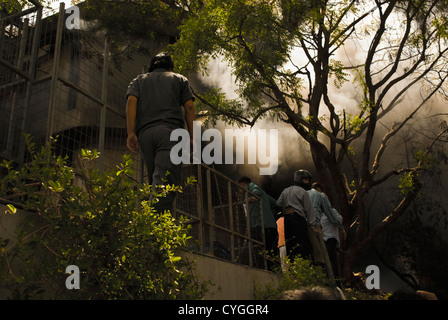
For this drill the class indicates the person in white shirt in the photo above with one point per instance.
(331, 222)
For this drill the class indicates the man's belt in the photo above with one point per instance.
(289, 210)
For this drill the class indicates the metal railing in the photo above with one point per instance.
(56, 82)
(220, 217)
(19, 45)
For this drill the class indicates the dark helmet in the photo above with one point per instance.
(161, 60)
(299, 175)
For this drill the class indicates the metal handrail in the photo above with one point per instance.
(203, 218)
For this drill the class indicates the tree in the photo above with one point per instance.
(406, 49)
(414, 247)
(135, 19)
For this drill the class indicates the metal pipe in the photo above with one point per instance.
(18, 14)
(32, 74)
(55, 70)
(36, 3)
(102, 134)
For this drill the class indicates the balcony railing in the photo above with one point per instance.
(218, 211)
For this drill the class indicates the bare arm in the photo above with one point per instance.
(189, 116)
(131, 112)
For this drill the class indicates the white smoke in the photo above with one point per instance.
(292, 151)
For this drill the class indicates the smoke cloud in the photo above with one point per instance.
(293, 151)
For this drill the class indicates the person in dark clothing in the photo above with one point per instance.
(298, 211)
(153, 111)
(269, 214)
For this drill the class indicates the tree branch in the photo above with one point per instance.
(397, 128)
(417, 168)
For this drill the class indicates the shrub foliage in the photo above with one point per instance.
(101, 222)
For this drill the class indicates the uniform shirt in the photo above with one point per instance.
(297, 198)
(160, 94)
(267, 203)
(322, 207)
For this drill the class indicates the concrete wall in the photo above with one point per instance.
(231, 281)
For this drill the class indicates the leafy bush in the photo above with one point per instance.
(303, 273)
(300, 273)
(100, 222)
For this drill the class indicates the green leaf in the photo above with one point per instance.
(11, 208)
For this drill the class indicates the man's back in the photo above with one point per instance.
(153, 111)
(297, 198)
(323, 209)
(160, 94)
(268, 215)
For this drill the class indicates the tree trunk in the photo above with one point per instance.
(348, 262)
(329, 176)
(349, 255)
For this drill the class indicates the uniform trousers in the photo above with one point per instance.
(296, 236)
(155, 146)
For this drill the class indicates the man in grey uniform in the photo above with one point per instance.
(298, 210)
(153, 111)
